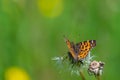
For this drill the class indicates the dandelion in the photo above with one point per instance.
(16, 73)
(75, 67)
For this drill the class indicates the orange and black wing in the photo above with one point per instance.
(84, 48)
(71, 48)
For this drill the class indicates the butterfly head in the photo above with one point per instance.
(93, 43)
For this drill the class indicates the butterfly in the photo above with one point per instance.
(78, 52)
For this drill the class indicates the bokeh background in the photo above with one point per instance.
(31, 34)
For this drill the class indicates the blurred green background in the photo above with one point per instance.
(31, 34)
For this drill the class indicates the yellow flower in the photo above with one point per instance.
(50, 8)
(15, 73)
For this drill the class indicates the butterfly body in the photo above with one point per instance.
(78, 52)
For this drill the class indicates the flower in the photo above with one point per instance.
(16, 73)
(96, 68)
(50, 8)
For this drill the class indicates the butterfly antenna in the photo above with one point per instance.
(65, 39)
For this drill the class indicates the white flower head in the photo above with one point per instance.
(96, 68)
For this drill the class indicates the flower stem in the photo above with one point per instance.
(98, 77)
(82, 76)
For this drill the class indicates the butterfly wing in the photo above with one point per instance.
(84, 48)
(71, 48)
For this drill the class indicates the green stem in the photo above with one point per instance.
(98, 77)
(82, 76)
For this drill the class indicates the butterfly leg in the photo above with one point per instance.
(81, 61)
